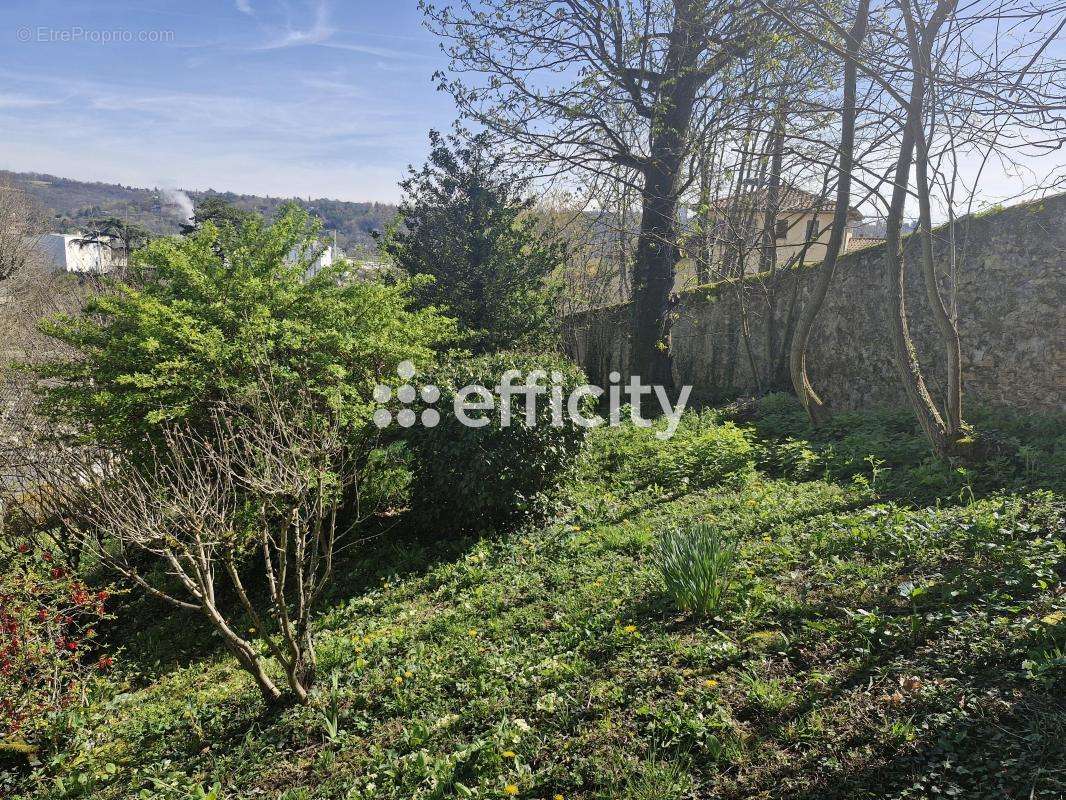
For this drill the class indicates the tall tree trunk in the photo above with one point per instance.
(910, 370)
(702, 253)
(657, 245)
(768, 256)
(623, 243)
(653, 281)
(816, 409)
(949, 332)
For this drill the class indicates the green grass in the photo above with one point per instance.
(874, 643)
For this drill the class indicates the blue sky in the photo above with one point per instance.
(322, 98)
(328, 98)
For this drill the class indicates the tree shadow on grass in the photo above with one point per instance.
(156, 638)
(1011, 749)
(1009, 450)
(1001, 729)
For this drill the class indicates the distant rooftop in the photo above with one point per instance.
(862, 242)
(791, 199)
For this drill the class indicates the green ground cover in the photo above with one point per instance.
(895, 629)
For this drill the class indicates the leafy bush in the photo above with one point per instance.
(202, 315)
(47, 625)
(468, 478)
(697, 563)
(228, 394)
(705, 457)
(703, 452)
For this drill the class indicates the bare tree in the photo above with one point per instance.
(961, 99)
(21, 225)
(30, 290)
(257, 495)
(595, 85)
(935, 95)
(798, 350)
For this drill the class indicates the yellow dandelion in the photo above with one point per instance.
(508, 754)
(408, 674)
(398, 680)
(472, 632)
(510, 789)
(558, 797)
(630, 629)
(710, 683)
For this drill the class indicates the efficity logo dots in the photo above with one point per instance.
(406, 394)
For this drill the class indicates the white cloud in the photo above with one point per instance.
(380, 52)
(318, 32)
(12, 101)
(244, 6)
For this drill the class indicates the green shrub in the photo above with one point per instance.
(704, 457)
(697, 563)
(703, 452)
(466, 221)
(467, 478)
(202, 316)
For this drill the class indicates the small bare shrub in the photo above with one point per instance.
(263, 485)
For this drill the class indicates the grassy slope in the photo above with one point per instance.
(548, 662)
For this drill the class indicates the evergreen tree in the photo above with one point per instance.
(465, 221)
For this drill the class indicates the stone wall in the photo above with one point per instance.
(1011, 297)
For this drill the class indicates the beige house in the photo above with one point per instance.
(801, 235)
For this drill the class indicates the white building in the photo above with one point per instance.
(325, 259)
(68, 254)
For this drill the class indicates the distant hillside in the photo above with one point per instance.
(72, 203)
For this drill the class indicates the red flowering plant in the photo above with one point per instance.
(48, 619)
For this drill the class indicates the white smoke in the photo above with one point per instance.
(178, 198)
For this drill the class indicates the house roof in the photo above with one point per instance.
(862, 242)
(791, 200)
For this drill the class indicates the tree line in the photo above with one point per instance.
(654, 108)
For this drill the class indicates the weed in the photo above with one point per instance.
(697, 563)
(331, 715)
(1046, 666)
(765, 695)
